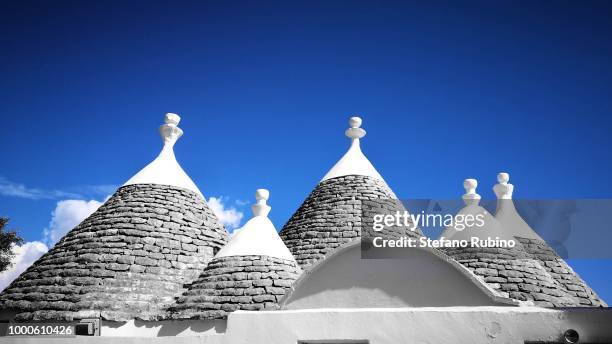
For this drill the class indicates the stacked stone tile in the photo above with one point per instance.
(530, 271)
(561, 273)
(237, 282)
(515, 274)
(128, 260)
(331, 216)
(252, 272)
(566, 279)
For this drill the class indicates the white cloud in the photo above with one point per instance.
(230, 216)
(12, 189)
(102, 189)
(8, 188)
(66, 215)
(25, 255)
(241, 203)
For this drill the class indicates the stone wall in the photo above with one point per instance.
(128, 260)
(236, 282)
(332, 216)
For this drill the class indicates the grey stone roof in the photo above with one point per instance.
(331, 216)
(236, 283)
(129, 260)
(561, 272)
(532, 273)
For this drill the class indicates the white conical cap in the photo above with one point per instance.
(486, 227)
(257, 237)
(506, 212)
(165, 170)
(353, 161)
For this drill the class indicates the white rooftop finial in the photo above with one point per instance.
(353, 162)
(355, 131)
(170, 132)
(165, 169)
(506, 212)
(261, 208)
(503, 190)
(470, 196)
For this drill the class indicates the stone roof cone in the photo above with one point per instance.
(506, 212)
(252, 272)
(131, 258)
(537, 248)
(511, 271)
(331, 215)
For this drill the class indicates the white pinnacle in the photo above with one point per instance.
(470, 196)
(506, 212)
(165, 170)
(257, 237)
(490, 227)
(503, 190)
(353, 162)
(261, 208)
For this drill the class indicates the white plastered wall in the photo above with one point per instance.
(419, 279)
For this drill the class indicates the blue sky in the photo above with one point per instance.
(447, 90)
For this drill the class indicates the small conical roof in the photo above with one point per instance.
(332, 214)
(514, 272)
(252, 272)
(128, 260)
(257, 237)
(506, 212)
(165, 170)
(513, 224)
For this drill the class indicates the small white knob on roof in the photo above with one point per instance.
(172, 119)
(355, 131)
(470, 196)
(503, 190)
(261, 208)
(503, 177)
(170, 132)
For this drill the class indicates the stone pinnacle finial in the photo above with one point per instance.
(261, 208)
(503, 190)
(170, 132)
(470, 196)
(355, 131)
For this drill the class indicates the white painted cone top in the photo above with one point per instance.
(491, 228)
(165, 170)
(506, 212)
(258, 237)
(354, 162)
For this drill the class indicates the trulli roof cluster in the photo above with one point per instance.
(156, 251)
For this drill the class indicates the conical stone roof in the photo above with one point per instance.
(128, 260)
(332, 214)
(512, 271)
(538, 249)
(252, 272)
